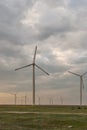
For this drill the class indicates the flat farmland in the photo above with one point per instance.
(43, 117)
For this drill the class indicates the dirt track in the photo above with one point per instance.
(64, 113)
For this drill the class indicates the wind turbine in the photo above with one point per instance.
(33, 67)
(81, 84)
(25, 99)
(15, 97)
(51, 100)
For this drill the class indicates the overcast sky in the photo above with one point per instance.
(59, 29)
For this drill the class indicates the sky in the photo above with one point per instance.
(59, 29)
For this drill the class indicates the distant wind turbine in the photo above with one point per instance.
(15, 97)
(33, 65)
(81, 84)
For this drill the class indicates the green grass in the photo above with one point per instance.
(42, 122)
(43, 108)
(54, 120)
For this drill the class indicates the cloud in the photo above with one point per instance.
(59, 30)
(47, 22)
(78, 4)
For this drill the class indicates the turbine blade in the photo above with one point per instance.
(35, 54)
(82, 83)
(42, 69)
(74, 73)
(84, 73)
(23, 67)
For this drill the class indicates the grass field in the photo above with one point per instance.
(43, 117)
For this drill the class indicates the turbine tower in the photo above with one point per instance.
(81, 84)
(33, 67)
